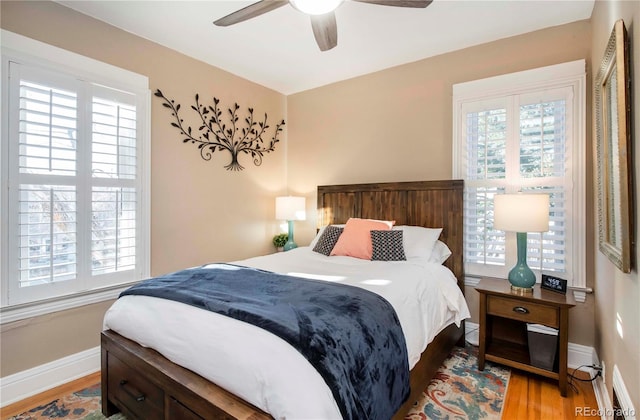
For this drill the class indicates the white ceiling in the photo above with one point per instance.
(278, 49)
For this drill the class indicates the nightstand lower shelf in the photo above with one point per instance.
(516, 356)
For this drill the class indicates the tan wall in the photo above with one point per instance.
(396, 124)
(34, 341)
(199, 211)
(617, 294)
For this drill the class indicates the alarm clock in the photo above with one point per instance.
(554, 284)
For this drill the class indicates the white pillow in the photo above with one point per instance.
(419, 241)
(440, 253)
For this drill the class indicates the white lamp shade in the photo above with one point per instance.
(521, 212)
(290, 208)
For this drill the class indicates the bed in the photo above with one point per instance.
(142, 383)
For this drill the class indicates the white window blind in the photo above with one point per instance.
(113, 229)
(113, 139)
(113, 193)
(47, 232)
(522, 132)
(47, 129)
(76, 162)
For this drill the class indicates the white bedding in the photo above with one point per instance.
(261, 368)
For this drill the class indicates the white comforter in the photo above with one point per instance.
(261, 368)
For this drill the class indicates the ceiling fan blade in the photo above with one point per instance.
(399, 3)
(251, 11)
(325, 30)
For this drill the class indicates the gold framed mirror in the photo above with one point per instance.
(613, 152)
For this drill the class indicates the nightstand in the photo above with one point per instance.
(503, 327)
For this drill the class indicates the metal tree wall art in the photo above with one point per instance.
(213, 134)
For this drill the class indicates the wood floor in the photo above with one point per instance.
(535, 398)
(528, 398)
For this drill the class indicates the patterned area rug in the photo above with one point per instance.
(84, 404)
(459, 391)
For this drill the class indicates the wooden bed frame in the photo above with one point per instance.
(143, 384)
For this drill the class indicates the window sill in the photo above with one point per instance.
(29, 310)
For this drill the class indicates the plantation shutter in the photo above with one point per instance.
(113, 194)
(544, 153)
(486, 139)
(508, 144)
(44, 172)
(74, 185)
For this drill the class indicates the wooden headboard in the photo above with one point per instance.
(432, 204)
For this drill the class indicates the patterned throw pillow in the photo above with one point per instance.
(387, 245)
(328, 240)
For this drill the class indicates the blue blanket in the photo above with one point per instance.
(350, 335)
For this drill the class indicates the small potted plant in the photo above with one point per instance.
(279, 240)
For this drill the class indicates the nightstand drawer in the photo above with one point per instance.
(523, 311)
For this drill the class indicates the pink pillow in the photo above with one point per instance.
(355, 240)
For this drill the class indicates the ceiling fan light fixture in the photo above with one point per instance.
(316, 7)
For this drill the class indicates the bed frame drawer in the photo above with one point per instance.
(132, 392)
(177, 410)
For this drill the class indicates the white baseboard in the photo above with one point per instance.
(579, 356)
(605, 408)
(627, 409)
(27, 383)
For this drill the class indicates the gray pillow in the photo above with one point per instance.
(387, 245)
(328, 240)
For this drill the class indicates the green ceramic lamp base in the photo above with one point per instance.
(521, 277)
(290, 243)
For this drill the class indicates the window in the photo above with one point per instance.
(523, 132)
(74, 165)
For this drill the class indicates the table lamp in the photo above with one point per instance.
(290, 209)
(521, 213)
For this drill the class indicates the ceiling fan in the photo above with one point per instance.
(321, 12)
